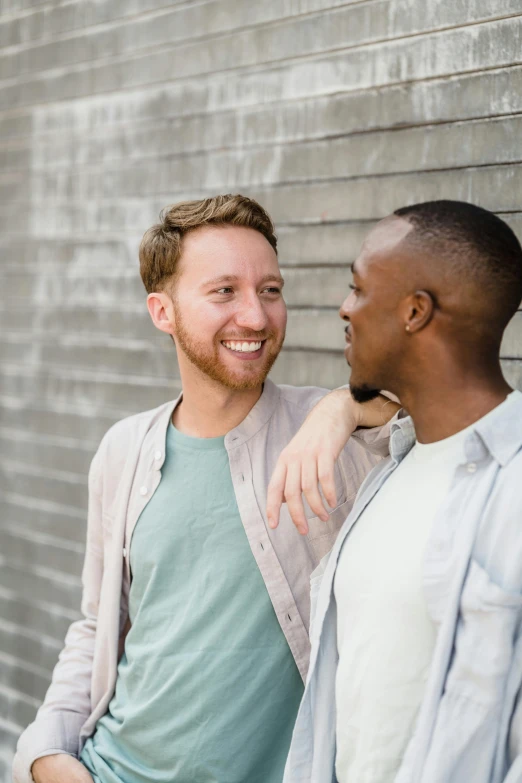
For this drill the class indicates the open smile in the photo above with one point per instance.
(244, 349)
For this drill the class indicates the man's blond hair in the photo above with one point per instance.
(160, 247)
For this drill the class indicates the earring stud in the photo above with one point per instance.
(407, 328)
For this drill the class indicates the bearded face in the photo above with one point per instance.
(228, 311)
(238, 361)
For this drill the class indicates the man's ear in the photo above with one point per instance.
(161, 311)
(418, 311)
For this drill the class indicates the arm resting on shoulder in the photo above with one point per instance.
(308, 461)
(67, 703)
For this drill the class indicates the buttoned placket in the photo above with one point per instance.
(265, 556)
(147, 486)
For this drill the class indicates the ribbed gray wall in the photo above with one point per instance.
(331, 113)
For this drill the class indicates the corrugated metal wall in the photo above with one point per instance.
(331, 113)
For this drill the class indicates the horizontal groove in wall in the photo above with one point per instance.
(11, 466)
(269, 70)
(314, 104)
(188, 42)
(48, 609)
(37, 504)
(167, 48)
(27, 436)
(29, 634)
(9, 403)
(34, 7)
(14, 693)
(62, 580)
(188, 38)
(343, 146)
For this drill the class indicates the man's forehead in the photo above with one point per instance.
(385, 237)
(230, 251)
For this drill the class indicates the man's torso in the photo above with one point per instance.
(207, 688)
(386, 635)
(469, 725)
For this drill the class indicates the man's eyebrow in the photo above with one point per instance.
(234, 278)
(221, 279)
(273, 279)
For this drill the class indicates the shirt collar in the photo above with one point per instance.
(256, 418)
(500, 433)
(252, 423)
(402, 438)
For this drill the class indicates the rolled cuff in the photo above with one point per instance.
(376, 440)
(49, 734)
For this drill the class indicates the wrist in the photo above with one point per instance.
(340, 406)
(357, 413)
(376, 412)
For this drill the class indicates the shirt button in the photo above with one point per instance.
(157, 455)
(472, 467)
(143, 491)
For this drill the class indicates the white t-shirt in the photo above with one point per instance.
(385, 635)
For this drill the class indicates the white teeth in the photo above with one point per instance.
(243, 347)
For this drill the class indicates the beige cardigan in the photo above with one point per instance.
(123, 477)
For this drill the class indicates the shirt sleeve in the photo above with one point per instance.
(67, 703)
(376, 440)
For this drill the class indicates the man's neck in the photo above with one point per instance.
(210, 410)
(452, 403)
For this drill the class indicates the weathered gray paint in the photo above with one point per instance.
(331, 112)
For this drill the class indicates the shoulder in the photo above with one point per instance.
(124, 439)
(506, 494)
(301, 398)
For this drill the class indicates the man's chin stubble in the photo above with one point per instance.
(364, 393)
(213, 368)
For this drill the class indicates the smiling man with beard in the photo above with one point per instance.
(188, 664)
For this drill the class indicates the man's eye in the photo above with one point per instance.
(273, 290)
(226, 290)
(353, 287)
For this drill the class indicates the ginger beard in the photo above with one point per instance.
(249, 374)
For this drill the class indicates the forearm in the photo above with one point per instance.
(374, 413)
(59, 768)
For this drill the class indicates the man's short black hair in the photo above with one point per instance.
(480, 247)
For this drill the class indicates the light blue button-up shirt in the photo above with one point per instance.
(469, 727)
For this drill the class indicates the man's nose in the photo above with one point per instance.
(344, 310)
(251, 315)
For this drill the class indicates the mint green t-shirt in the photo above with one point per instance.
(207, 689)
